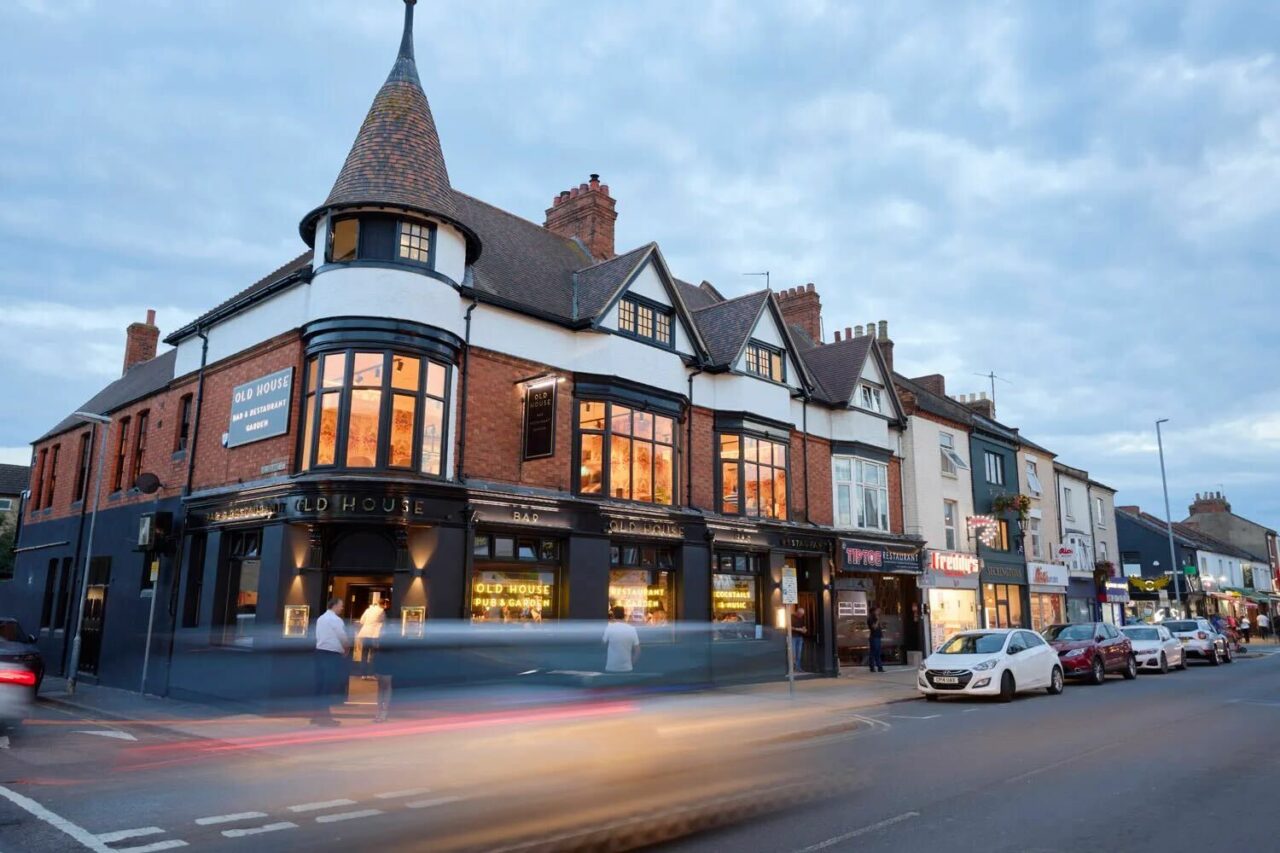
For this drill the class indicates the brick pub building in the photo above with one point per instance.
(480, 418)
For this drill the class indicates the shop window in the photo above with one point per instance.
(82, 467)
(735, 596)
(645, 320)
(183, 434)
(514, 593)
(625, 453)
(236, 605)
(374, 409)
(641, 582)
(122, 452)
(1002, 605)
(52, 484)
(765, 361)
(861, 492)
(753, 476)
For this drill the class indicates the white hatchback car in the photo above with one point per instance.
(1155, 647)
(993, 662)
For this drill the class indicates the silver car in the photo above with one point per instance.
(1200, 639)
(1155, 648)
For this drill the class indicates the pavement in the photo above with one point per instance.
(1168, 763)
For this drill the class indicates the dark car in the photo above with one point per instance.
(1091, 650)
(21, 671)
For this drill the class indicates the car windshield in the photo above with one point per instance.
(1141, 633)
(973, 644)
(1069, 632)
(1180, 625)
(9, 630)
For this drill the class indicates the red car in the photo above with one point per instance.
(1091, 650)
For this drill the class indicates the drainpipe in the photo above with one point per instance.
(462, 392)
(75, 563)
(804, 449)
(203, 334)
(688, 485)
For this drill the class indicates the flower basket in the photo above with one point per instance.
(1019, 504)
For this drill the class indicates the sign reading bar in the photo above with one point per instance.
(540, 420)
(790, 587)
(260, 408)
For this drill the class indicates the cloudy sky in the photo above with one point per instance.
(1082, 197)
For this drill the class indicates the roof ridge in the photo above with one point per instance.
(730, 301)
(618, 257)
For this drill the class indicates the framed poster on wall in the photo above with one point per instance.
(412, 621)
(297, 617)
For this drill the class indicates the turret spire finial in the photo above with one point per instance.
(405, 68)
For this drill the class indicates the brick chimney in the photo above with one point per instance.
(886, 343)
(587, 213)
(1210, 502)
(934, 382)
(140, 341)
(979, 403)
(801, 307)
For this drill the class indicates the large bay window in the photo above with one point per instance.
(753, 476)
(374, 409)
(861, 492)
(625, 453)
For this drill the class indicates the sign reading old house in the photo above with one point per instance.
(260, 408)
(645, 527)
(540, 421)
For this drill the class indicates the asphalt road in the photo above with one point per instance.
(1185, 761)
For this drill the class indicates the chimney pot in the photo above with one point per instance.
(809, 287)
(850, 332)
(586, 213)
(837, 336)
(884, 330)
(982, 395)
(140, 341)
(151, 316)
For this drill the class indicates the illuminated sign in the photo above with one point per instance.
(985, 528)
(879, 557)
(245, 512)
(645, 527)
(954, 563)
(522, 595)
(260, 408)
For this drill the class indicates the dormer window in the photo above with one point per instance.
(872, 399)
(645, 320)
(374, 237)
(765, 361)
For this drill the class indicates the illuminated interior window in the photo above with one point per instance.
(645, 320)
(343, 239)
(765, 361)
(626, 454)
(415, 242)
(753, 476)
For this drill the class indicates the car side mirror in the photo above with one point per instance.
(1099, 638)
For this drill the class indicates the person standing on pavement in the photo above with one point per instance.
(876, 632)
(1264, 626)
(1245, 627)
(799, 630)
(622, 643)
(331, 662)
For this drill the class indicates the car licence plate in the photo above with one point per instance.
(946, 679)
(1184, 640)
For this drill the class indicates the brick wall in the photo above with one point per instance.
(819, 488)
(704, 460)
(895, 494)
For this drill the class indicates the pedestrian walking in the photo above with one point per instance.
(876, 632)
(622, 643)
(799, 630)
(1264, 626)
(331, 662)
(1245, 627)
(383, 656)
(371, 622)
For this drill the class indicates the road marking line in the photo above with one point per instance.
(1055, 765)
(152, 848)
(395, 795)
(334, 818)
(434, 801)
(909, 717)
(970, 710)
(258, 830)
(227, 818)
(122, 834)
(315, 807)
(871, 827)
(79, 833)
(110, 734)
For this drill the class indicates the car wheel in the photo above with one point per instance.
(1226, 654)
(1131, 669)
(1098, 673)
(1215, 657)
(1007, 687)
(1055, 682)
(931, 697)
(1182, 659)
(1164, 664)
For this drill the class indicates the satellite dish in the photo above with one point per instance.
(147, 483)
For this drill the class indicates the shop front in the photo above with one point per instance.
(1082, 598)
(1149, 600)
(1047, 593)
(1113, 598)
(1004, 591)
(950, 586)
(883, 576)
(810, 556)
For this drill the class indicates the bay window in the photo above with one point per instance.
(753, 476)
(374, 409)
(861, 492)
(626, 453)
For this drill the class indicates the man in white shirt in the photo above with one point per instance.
(1264, 626)
(371, 622)
(622, 643)
(331, 662)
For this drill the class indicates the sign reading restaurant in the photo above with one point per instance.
(260, 408)
(863, 555)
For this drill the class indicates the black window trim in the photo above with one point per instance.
(718, 480)
(656, 307)
(607, 434)
(773, 350)
(396, 259)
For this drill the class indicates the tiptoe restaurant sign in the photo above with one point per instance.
(260, 408)
(864, 556)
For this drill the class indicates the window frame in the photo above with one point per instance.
(951, 529)
(139, 445)
(398, 235)
(1033, 478)
(754, 350)
(37, 482)
(1036, 535)
(606, 450)
(856, 498)
(1068, 505)
(741, 464)
(51, 475)
(1099, 518)
(631, 304)
(182, 433)
(311, 410)
(994, 463)
(122, 455)
(82, 467)
(952, 462)
(871, 398)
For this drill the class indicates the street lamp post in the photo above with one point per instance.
(1168, 517)
(74, 667)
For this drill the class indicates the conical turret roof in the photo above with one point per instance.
(396, 157)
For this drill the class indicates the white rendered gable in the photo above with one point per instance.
(647, 283)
